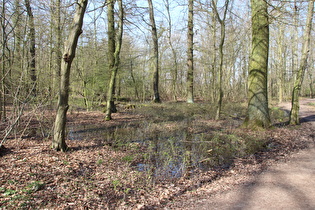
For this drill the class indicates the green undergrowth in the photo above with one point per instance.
(19, 195)
(278, 115)
(178, 111)
(177, 137)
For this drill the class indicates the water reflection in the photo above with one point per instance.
(166, 154)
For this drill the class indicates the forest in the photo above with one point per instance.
(130, 104)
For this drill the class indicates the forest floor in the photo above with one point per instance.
(126, 163)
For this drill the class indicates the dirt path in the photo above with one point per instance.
(287, 184)
(307, 109)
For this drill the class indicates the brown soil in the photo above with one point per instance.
(285, 183)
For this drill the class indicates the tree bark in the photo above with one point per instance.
(32, 49)
(59, 40)
(190, 53)
(213, 58)
(281, 64)
(114, 47)
(134, 80)
(58, 142)
(174, 71)
(17, 33)
(221, 45)
(3, 65)
(311, 85)
(155, 62)
(257, 111)
(110, 106)
(294, 114)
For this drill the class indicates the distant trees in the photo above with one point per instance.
(174, 61)
(258, 111)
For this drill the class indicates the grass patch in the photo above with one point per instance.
(278, 115)
(177, 137)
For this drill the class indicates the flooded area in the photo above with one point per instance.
(173, 140)
(165, 152)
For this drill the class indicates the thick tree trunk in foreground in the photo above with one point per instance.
(155, 62)
(68, 56)
(294, 114)
(190, 53)
(114, 47)
(257, 111)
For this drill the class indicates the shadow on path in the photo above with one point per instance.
(310, 118)
(284, 186)
(287, 185)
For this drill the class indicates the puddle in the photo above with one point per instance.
(86, 132)
(173, 157)
(167, 154)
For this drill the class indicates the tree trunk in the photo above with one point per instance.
(213, 58)
(3, 66)
(32, 49)
(155, 63)
(59, 41)
(257, 111)
(294, 114)
(134, 80)
(174, 71)
(110, 106)
(114, 47)
(311, 85)
(222, 39)
(281, 64)
(17, 33)
(68, 56)
(190, 53)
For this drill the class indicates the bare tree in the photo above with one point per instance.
(32, 47)
(114, 47)
(174, 53)
(58, 142)
(58, 32)
(294, 114)
(190, 53)
(221, 45)
(155, 63)
(3, 66)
